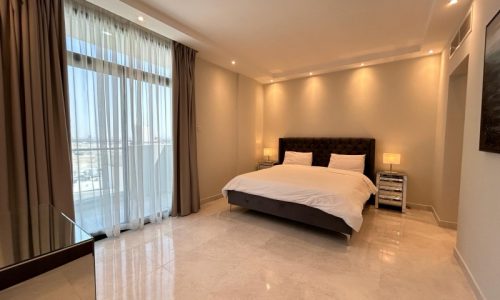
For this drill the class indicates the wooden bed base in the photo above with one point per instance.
(321, 148)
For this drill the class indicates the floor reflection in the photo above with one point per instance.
(217, 254)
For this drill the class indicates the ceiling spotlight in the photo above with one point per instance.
(272, 80)
(140, 18)
(233, 62)
(362, 64)
(453, 2)
(310, 73)
(430, 51)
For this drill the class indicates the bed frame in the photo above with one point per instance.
(321, 148)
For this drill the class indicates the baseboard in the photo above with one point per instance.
(472, 281)
(211, 198)
(441, 223)
(420, 206)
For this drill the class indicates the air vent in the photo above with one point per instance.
(461, 35)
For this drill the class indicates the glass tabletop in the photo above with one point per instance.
(45, 229)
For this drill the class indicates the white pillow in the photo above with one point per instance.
(298, 158)
(347, 162)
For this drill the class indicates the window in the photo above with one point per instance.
(121, 120)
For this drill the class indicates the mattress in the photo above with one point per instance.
(337, 192)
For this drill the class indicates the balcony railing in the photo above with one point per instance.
(97, 179)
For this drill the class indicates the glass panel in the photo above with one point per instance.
(50, 230)
(97, 152)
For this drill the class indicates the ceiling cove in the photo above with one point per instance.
(275, 40)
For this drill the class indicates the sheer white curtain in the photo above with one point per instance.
(121, 120)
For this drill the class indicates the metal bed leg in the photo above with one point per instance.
(348, 239)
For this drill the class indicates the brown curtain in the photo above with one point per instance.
(186, 197)
(34, 125)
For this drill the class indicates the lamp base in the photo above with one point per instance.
(390, 169)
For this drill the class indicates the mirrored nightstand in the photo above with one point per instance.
(391, 189)
(266, 164)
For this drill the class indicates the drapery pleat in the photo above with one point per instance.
(186, 197)
(34, 132)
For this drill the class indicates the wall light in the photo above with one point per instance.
(391, 159)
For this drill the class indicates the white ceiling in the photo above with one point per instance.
(284, 39)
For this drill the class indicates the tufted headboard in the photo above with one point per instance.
(322, 148)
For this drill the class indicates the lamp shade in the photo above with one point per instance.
(392, 158)
(268, 151)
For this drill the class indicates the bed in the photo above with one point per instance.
(322, 149)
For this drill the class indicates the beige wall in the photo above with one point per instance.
(250, 122)
(446, 204)
(395, 103)
(478, 238)
(447, 167)
(229, 122)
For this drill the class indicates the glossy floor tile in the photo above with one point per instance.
(218, 254)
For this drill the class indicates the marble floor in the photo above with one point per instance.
(218, 254)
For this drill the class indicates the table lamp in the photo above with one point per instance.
(267, 153)
(392, 159)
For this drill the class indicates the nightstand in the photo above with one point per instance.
(391, 189)
(266, 164)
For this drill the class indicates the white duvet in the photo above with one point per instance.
(337, 192)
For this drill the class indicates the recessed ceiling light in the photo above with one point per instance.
(453, 2)
(310, 73)
(362, 64)
(272, 80)
(140, 18)
(233, 62)
(430, 51)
